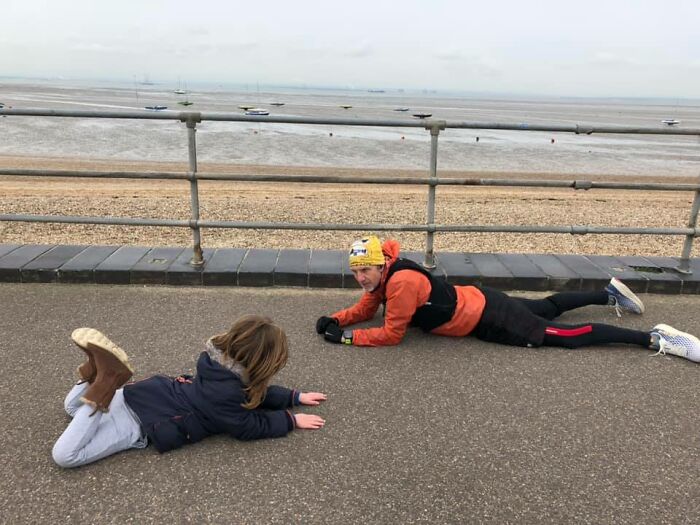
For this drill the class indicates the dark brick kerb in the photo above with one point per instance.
(328, 268)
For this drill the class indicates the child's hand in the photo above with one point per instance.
(308, 421)
(311, 398)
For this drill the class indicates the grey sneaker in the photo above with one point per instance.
(672, 341)
(622, 298)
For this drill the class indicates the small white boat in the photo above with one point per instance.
(422, 115)
(345, 106)
(257, 112)
(401, 109)
(670, 121)
(156, 108)
(277, 104)
(245, 107)
(180, 92)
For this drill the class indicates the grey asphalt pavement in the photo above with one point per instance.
(436, 430)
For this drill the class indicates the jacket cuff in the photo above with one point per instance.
(296, 397)
(291, 421)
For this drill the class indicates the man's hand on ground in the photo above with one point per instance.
(323, 323)
(335, 334)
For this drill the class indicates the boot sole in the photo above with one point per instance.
(84, 336)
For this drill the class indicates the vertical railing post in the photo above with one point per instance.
(191, 120)
(434, 128)
(684, 266)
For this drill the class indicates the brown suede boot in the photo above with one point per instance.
(86, 371)
(113, 371)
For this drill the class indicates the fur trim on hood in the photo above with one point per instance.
(217, 355)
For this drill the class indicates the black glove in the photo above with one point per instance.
(323, 323)
(335, 334)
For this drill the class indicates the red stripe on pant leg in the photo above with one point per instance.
(573, 332)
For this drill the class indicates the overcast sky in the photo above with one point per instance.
(540, 47)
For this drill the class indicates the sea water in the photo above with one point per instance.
(486, 151)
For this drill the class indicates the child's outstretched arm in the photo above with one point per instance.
(256, 423)
(279, 397)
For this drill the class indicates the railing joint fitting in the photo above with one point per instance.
(191, 118)
(579, 230)
(587, 130)
(583, 184)
(435, 126)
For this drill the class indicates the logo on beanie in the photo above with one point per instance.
(357, 251)
(366, 252)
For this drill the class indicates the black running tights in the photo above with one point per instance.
(575, 336)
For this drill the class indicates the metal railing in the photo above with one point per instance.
(191, 119)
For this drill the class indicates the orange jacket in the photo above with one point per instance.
(407, 291)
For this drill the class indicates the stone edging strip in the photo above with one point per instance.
(329, 269)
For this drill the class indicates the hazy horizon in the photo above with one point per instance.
(600, 49)
(253, 87)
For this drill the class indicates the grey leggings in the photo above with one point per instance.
(90, 437)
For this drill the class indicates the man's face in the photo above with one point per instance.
(368, 276)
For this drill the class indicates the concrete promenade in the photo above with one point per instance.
(436, 430)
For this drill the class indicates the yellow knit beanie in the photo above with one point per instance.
(366, 252)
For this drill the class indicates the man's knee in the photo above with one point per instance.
(554, 310)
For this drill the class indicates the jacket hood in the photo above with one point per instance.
(390, 249)
(217, 363)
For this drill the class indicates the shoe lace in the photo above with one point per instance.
(616, 305)
(660, 351)
(663, 345)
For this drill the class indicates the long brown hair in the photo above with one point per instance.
(260, 346)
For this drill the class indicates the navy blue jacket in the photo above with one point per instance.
(174, 413)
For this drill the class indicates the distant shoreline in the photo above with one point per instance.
(389, 91)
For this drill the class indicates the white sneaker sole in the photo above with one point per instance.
(622, 287)
(83, 336)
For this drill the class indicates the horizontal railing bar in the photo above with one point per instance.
(426, 123)
(340, 179)
(115, 221)
(129, 221)
(97, 174)
(579, 129)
